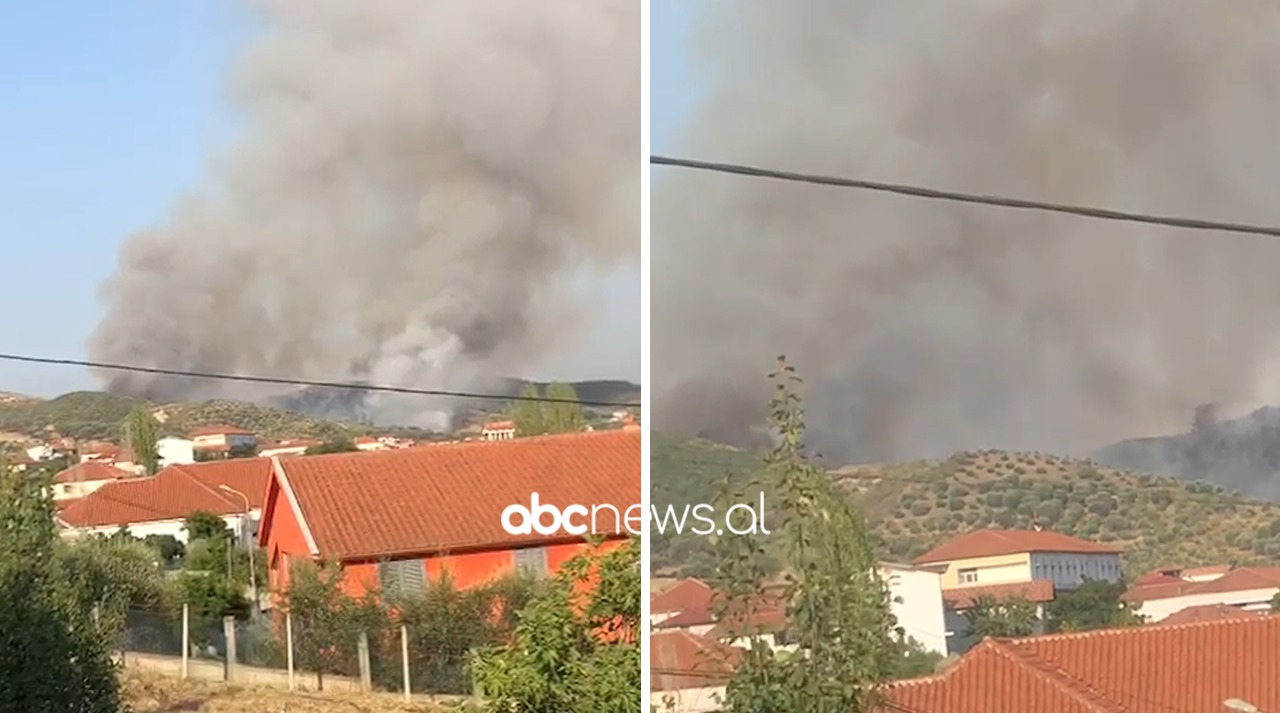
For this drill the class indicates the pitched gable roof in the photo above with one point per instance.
(1037, 591)
(1153, 669)
(993, 543)
(679, 660)
(450, 497)
(1209, 612)
(1241, 579)
(689, 594)
(90, 471)
(172, 494)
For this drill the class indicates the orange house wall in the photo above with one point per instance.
(283, 536)
(467, 570)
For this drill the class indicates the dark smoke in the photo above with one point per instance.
(925, 327)
(417, 185)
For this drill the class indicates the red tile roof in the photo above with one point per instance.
(679, 660)
(90, 471)
(1190, 668)
(172, 494)
(993, 543)
(451, 497)
(687, 595)
(1209, 612)
(1037, 590)
(1241, 579)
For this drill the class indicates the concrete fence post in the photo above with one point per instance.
(366, 668)
(186, 638)
(288, 643)
(404, 658)
(229, 630)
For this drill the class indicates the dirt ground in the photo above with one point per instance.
(147, 693)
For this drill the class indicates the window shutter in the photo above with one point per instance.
(402, 578)
(531, 560)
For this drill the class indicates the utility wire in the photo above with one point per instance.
(306, 382)
(998, 201)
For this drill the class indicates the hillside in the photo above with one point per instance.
(97, 415)
(912, 506)
(1242, 453)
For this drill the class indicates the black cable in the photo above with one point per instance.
(998, 201)
(306, 382)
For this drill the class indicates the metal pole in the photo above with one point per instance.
(404, 657)
(288, 641)
(186, 637)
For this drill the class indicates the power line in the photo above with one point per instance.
(306, 382)
(980, 199)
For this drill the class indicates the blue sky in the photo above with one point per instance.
(109, 109)
(672, 92)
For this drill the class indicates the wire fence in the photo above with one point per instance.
(269, 649)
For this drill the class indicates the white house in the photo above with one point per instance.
(175, 451)
(287, 447)
(160, 504)
(688, 673)
(1159, 595)
(915, 600)
(83, 478)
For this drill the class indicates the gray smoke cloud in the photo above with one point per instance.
(924, 327)
(417, 183)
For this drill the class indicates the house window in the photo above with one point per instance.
(968, 576)
(531, 560)
(402, 578)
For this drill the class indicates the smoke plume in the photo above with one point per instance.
(925, 327)
(417, 183)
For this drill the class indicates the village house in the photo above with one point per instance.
(160, 504)
(688, 673)
(396, 520)
(690, 605)
(220, 440)
(175, 451)
(1191, 668)
(498, 431)
(1163, 594)
(1030, 564)
(288, 447)
(83, 478)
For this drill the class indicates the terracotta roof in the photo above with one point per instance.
(1209, 612)
(90, 471)
(1190, 668)
(993, 543)
(687, 595)
(172, 494)
(373, 504)
(679, 660)
(220, 430)
(1037, 590)
(1241, 579)
(768, 617)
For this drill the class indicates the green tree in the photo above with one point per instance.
(836, 604)
(327, 622)
(574, 649)
(1095, 604)
(1275, 603)
(526, 413)
(205, 525)
(141, 433)
(563, 413)
(914, 660)
(1008, 617)
(113, 574)
(53, 655)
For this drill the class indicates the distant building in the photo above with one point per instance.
(1163, 594)
(84, 478)
(288, 447)
(688, 673)
(499, 431)
(175, 451)
(1031, 564)
(212, 441)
